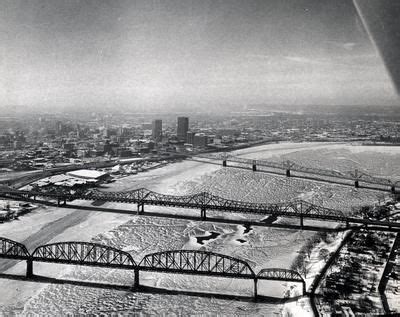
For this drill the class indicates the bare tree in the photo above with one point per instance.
(323, 254)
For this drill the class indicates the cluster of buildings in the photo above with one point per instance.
(181, 129)
(78, 178)
(190, 139)
(48, 140)
(351, 286)
(13, 209)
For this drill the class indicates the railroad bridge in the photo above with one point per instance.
(191, 262)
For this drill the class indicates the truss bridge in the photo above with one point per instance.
(192, 262)
(357, 176)
(202, 201)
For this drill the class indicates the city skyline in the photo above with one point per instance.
(149, 54)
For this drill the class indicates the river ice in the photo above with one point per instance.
(261, 247)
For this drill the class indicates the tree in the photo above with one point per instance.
(304, 270)
(298, 261)
(323, 254)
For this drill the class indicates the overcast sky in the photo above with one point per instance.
(148, 52)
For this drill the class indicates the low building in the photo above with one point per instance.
(200, 140)
(93, 175)
(190, 137)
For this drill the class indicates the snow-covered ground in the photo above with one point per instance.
(393, 294)
(261, 247)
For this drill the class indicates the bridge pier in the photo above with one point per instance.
(140, 208)
(58, 201)
(224, 163)
(254, 166)
(301, 221)
(304, 288)
(356, 184)
(29, 268)
(393, 189)
(136, 284)
(288, 172)
(255, 289)
(203, 214)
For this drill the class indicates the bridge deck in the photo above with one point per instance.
(356, 175)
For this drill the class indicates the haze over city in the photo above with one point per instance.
(142, 55)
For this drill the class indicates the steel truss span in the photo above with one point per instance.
(83, 253)
(277, 274)
(13, 250)
(197, 262)
(280, 275)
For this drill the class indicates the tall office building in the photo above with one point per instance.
(157, 130)
(183, 127)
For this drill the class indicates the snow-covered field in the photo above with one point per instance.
(261, 247)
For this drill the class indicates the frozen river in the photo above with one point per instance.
(261, 247)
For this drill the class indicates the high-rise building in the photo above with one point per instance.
(157, 130)
(59, 127)
(183, 127)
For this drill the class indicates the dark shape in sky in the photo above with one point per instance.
(382, 19)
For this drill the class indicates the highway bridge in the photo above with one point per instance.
(203, 201)
(288, 167)
(193, 262)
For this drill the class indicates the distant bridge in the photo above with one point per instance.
(203, 201)
(192, 262)
(357, 176)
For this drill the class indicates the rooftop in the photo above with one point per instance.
(87, 174)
